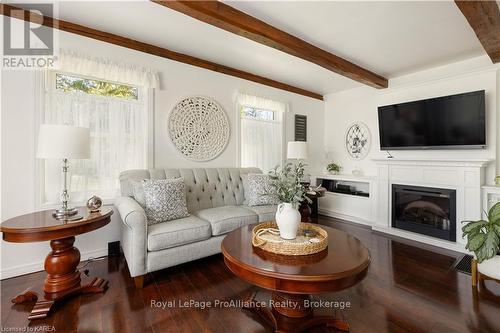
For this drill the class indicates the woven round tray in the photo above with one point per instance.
(310, 239)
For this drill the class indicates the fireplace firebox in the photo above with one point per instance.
(425, 210)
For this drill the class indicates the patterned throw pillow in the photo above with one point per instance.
(165, 200)
(260, 192)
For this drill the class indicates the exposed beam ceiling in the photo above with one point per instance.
(484, 18)
(230, 19)
(81, 30)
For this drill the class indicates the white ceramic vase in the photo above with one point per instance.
(288, 220)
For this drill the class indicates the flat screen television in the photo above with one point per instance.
(449, 122)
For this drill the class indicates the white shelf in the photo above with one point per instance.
(346, 177)
(355, 208)
(347, 195)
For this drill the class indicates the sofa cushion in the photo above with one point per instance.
(226, 219)
(165, 199)
(177, 232)
(265, 213)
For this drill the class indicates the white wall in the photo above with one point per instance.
(20, 109)
(360, 104)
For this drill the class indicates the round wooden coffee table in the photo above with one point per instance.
(292, 279)
(63, 279)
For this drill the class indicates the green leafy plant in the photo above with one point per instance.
(483, 236)
(333, 167)
(287, 183)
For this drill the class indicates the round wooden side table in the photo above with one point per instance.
(292, 279)
(63, 279)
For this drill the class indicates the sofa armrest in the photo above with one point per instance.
(132, 214)
(134, 234)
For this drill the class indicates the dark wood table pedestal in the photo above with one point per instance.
(293, 315)
(63, 278)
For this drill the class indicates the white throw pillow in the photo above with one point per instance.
(165, 200)
(260, 192)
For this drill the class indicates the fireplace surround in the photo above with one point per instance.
(465, 176)
(426, 210)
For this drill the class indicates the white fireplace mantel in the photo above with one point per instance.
(478, 163)
(466, 176)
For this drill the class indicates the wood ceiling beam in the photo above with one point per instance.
(230, 19)
(81, 30)
(484, 18)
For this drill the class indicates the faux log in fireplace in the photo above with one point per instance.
(425, 210)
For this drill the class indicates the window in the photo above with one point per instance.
(261, 133)
(117, 115)
(68, 83)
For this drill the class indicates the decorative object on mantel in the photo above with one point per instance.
(199, 128)
(287, 183)
(497, 180)
(310, 239)
(64, 142)
(94, 204)
(357, 140)
(483, 238)
(333, 168)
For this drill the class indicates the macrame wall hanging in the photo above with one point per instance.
(199, 128)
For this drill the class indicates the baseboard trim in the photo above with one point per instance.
(38, 266)
(345, 217)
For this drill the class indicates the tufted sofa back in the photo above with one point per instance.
(205, 188)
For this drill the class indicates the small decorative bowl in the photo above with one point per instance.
(94, 204)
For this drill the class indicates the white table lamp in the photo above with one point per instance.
(297, 150)
(64, 142)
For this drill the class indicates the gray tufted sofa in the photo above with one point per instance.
(215, 201)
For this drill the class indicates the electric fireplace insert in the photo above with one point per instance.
(425, 210)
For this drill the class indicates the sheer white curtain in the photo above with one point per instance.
(261, 138)
(74, 62)
(118, 131)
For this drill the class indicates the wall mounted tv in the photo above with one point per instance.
(449, 122)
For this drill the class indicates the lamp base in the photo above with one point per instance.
(67, 214)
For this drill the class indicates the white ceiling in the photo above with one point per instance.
(389, 38)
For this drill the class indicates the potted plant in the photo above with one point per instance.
(483, 238)
(333, 168)
(287, 185)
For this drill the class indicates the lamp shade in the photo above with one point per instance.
(297, 150)
(62, 141)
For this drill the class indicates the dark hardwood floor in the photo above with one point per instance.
(410, 288)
